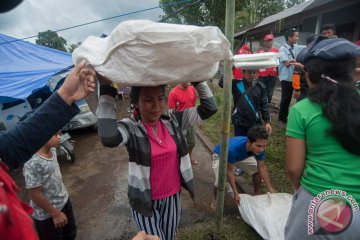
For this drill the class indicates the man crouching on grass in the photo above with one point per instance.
(247, 153)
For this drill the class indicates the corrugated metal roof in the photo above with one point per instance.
(318, 3)
(286, 13)
(304, 6)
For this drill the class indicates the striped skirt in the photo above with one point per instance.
(165, 219)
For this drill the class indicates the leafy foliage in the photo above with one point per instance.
(275, 150)
(72, 46)
(255, 10)
(203, 13)
(291, 3)
(51, 39)
(212, 12)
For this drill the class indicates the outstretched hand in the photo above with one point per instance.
(78, 84)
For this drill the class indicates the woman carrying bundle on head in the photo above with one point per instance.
(159, 162)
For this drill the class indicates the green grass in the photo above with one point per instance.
(234, 228)
(275, 150)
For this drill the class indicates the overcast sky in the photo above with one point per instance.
(34, 16)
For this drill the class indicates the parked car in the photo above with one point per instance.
(83, 119)
(10, 114)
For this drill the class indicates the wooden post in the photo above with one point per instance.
(229, 33)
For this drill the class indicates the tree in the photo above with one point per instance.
(202, 13)
(291, 3)
(212, 12)
(256, 10)
(72, 46)
(51, 39)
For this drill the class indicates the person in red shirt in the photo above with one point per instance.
(238, 72)
(180, 98)
(268, 76)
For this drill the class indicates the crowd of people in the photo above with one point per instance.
(322, 141)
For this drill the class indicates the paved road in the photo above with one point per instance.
(97, 183)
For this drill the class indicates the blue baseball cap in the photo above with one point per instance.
(330, 49)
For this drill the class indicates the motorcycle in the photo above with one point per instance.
(66, 148)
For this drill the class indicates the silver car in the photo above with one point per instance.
(83, 119)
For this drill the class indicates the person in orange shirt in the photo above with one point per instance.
(268, 76)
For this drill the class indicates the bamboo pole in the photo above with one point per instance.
(229, 33)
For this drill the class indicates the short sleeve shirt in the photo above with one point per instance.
(237, 150)
(286, 54)
(327, 164)
(180, 99)
(39, 171)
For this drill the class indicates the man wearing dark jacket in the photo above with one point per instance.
(250, 104)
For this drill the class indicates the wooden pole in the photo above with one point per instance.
(229, 33)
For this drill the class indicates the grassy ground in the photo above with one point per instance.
(234, 227)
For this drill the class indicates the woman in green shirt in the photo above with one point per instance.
(323, 146)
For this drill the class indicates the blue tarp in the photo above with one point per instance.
(26, 67)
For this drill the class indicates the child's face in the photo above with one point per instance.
(54, 140)
(250, 75)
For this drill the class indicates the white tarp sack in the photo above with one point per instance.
(256, 61)
(266, 213)
(146, 53)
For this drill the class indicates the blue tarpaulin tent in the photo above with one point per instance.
(26, 67)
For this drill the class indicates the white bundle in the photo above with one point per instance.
(256, 61)
(146, 53)
(266, 213)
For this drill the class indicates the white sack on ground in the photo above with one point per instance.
(266, 213)
(146, 53)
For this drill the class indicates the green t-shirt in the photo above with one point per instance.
(328, 165)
